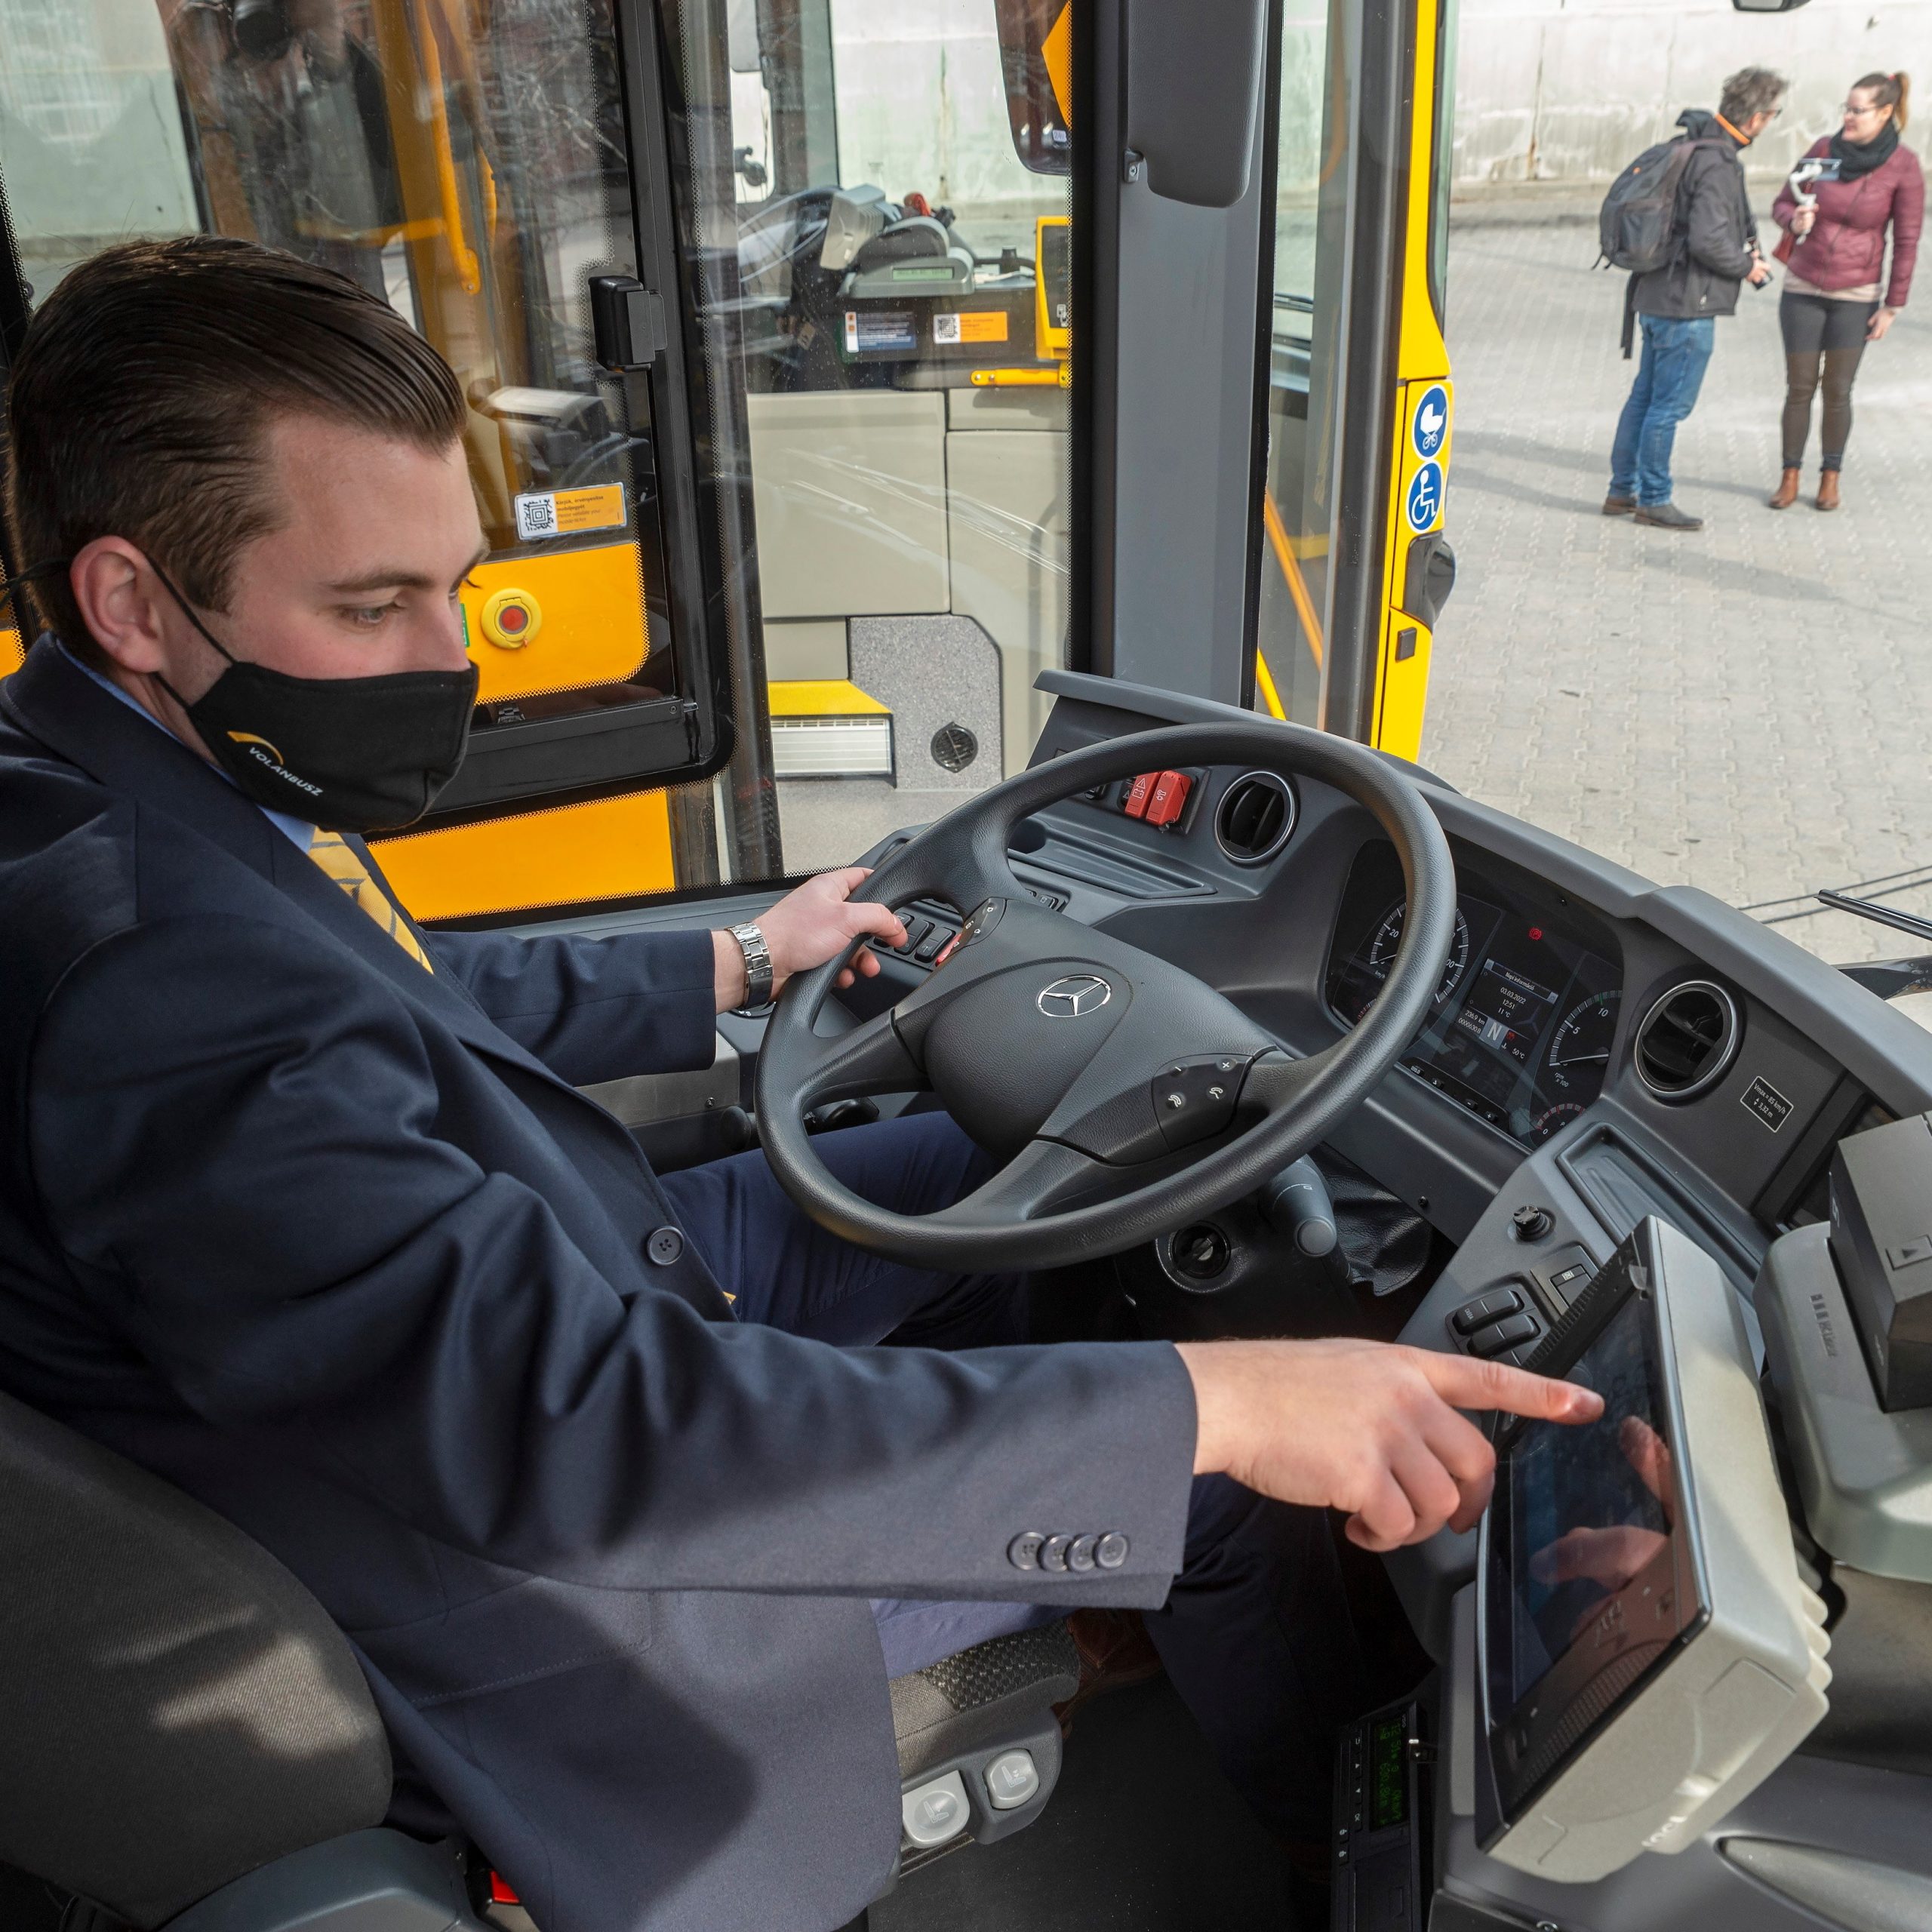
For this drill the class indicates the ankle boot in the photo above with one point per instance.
(1828, 489)
(1786, 492)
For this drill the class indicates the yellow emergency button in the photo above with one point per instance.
(511, 618)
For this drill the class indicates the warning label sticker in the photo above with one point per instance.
(970, 325)
(879, 328)
(541, 513)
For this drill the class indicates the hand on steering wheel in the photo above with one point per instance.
(1125, 1095)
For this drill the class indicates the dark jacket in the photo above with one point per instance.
(1717, 228)
(1846, 247)
(335, 1245)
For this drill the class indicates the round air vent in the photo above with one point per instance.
(1687, 1040)
(1255, 814)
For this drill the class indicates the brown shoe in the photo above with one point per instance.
(1828, 489)
(1114, 1651)
(1786, 492)
(1619, 505)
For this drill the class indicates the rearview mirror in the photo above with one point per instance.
(1766, 6)
(1036, 63)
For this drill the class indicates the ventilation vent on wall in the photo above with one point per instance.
(1687, 1040)
(1255, 814)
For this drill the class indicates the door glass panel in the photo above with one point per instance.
(874, 197)
(468, 164)
(1311, 215)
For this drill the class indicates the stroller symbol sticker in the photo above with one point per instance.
(1425, 498)
(1431, 421)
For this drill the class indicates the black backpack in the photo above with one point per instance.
(1637, 228)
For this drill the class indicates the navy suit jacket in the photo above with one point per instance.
(333, 1243)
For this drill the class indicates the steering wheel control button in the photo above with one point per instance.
(935, 1812)
(1023, 1552)
(1013, 1780)
(1195, 1099)
(666, 1246)
(1053, 1552)
(1531, 1224)
(1501, 1336)
(1074, 996)
(982, 920)
(1479, 1313)
(1168, 798)
(1111, 1551)
(1080, 1554)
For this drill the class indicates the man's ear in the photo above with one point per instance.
(120, 600)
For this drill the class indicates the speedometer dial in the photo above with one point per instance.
(1580, 1048)
(1388, 937)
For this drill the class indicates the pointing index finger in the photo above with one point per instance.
(1467, 1383)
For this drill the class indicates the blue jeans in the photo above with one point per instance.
(1676, 353)
(1255, 1634)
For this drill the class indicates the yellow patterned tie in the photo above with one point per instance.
(337, 858)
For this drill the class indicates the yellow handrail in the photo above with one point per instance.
(1271, 697)
(1284, 556)
(469, 270)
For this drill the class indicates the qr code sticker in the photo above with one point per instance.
(945, 328)
(536, 516)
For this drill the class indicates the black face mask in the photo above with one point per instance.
(347, 754)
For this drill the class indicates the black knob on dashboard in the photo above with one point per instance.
(1296, 1203)
(1531, 1224)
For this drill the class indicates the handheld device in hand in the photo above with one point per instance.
(1647, 1653)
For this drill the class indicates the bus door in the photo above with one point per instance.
(472, 164)
(1354, 566)
(873, 201)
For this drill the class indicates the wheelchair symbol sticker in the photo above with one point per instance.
(1430, 425)
(1425, 498)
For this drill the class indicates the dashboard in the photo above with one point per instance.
(1526, 1086)
(1522, 1026)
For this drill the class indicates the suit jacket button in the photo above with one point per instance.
(1111, 1551)
(1079, 1555)
(1053, 1552)
(1023, 1552)
(665, 1246)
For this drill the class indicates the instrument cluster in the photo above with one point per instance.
(1521, 1028)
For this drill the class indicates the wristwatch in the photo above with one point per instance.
(757, 967)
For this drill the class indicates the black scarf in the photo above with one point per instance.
(1857, 158)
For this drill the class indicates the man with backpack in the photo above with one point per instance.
(1679, 219)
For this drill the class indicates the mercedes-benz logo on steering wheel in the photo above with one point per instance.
(1075, 996)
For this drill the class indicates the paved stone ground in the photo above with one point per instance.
(1748, 710)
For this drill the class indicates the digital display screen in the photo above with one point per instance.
(1388, 1774)
(1590, 1510)
(1589, 1582)
(1524, 1019)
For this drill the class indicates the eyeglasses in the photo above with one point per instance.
(1852, 108)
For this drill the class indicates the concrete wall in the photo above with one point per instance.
(1570, 90)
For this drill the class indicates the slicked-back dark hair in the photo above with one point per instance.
(140, 401)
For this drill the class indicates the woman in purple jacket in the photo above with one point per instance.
(1835, 256)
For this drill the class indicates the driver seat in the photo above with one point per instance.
(192, 1745)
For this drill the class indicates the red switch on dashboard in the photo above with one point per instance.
(1168, 799)
(1139, 793)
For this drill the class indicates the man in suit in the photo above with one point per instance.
(301, 1208)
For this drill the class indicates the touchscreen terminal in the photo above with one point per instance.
(1589, 1580)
